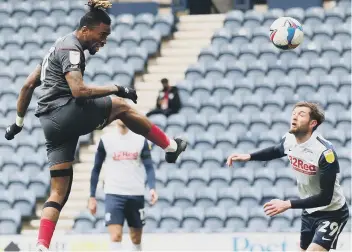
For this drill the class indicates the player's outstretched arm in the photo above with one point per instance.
(266, 154)
(24, 98)
(80, 90)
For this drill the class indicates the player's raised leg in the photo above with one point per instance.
(141, 125)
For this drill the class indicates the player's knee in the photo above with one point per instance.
(136, 236)
(119, 105)
(116, 236)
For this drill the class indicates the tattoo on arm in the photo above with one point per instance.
(27, 90)
(79, 89)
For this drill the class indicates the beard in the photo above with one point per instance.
(299, 131)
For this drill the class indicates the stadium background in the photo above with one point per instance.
(236, 89)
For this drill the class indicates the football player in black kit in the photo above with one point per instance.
(67, 109)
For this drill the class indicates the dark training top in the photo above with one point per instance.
(64, 56)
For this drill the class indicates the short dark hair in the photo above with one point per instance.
(164, 81)
(96, 14)
(316, 112)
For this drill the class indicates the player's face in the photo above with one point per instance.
(300, 121)
(97, 37)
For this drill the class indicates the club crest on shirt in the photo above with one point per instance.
(329, 156)
(74, 57)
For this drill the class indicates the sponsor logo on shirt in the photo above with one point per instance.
(303, 167)
(125, 155)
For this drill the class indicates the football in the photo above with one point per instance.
(286, 33)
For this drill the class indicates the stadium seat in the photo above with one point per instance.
(319, 67)
(39, 184)
(220, 178)
(215, 71)
(260, 37)
(193, 217)
(196, 124)
(18, 181)
(273, 103)
(298, 68)
(138, 59)
(237, 217)
(6, 198)
(10, 222)
(334, 16)
(268, 54)
(264, 178)
(198, 178)
(208, 55)
(21, 10)
(214, 218)
(281, 222)
(284, 178)
(130, 40)
(226, 140)
(195, 72)
(323, 34)
(271, 15)
(160, 178)
(310, 51)
(85, 220)
(233, 20)
(124, 23)
(217, 123)
(164, 24)
(206, 198)
(342, 32)
(328, 84)
(227, 53)
(252, 19)
(241, 37)
(286, 56)
(184, 198)
(220, 38)
(25, 203)
(239, 124)
(235, 70)
(152, 218)
(204, 141)
(143, 22)
(296, 13)
(260, 123)
(227, 197)
(171, 217)
(176, 123)
(242, 178)
(222, 89)
(306, 85)
(314, 16)
(248, 53)
(176, 179)
(257, 221)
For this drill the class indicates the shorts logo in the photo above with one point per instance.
(107, 217)
(303, 167)
(74, 57)
(329, 156)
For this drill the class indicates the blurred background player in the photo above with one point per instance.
(68, 109)
(124, 154)
(315, 165)
(168, 101)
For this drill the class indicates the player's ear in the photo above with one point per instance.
(313, 123)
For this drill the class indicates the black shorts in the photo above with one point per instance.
(323, 227)
(121, 207)
(64, 125)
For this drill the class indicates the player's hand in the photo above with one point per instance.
(237, 157)
(12, 130)
(92, 205)
(276, 206)
(154, 196)
(126, 92)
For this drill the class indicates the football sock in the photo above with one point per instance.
(46, 231)
(115, 246)
(158, 137)
(136, 247)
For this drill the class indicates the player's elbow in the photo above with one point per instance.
(326, 200)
